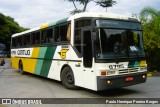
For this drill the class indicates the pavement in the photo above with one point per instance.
(15, 85)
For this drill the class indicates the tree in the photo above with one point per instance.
(7, 28)
(102, 3)
(150, 19)
(106, 3)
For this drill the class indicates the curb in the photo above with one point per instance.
(150, 74)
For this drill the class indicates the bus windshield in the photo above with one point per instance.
(120, 40)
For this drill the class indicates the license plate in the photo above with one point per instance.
(129, 78)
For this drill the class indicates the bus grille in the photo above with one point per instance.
(130, 70)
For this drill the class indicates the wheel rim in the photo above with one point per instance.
(69, 77)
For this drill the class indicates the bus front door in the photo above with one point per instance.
(87, 48)
(89, 79)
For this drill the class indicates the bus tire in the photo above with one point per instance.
(3, 61)
(1, 64)
(67, 78)
(21, 68)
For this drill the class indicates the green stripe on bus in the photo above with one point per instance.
(58, 22)
(39, 63)
(132, 64)
(48, 60)
(137, 64)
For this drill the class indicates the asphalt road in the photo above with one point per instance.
(15, 85)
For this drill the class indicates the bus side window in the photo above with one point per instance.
(77, 40)
(37, 38)
(14, 42)
(24, 40)
(57, 38)
(43, 36)
(63, 32)
(77, 35)
(33, 38)
(69, 32)
(20, 39)
(49, 35)
(28, 39)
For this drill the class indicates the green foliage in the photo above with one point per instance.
(102, 3)
(106, 3)
(7, 28)
(150, 19)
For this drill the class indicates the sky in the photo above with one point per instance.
(33, 13)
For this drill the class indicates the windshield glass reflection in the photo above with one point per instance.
(118, 43)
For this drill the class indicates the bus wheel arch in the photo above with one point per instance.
(20, 66)
(67, 77)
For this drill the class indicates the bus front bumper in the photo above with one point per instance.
(111, 82)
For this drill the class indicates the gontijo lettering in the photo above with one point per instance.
(23, 52)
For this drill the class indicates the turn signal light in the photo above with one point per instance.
(103, 73)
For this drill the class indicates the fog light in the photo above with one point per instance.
(144, 76)
(108, 82)
(111, 72)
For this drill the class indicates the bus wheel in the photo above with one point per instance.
(67, 78)
(21, 68)
(1, 62)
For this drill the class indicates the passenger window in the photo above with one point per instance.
(24, 40)
(28, 39)
(56, 34)
(14, 42)
(44, 36)
(77, 38)
(20, 39)
(49, 38)
(35, 38)
(63, 32)
(69, 32)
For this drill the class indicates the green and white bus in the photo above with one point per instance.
(93, 50)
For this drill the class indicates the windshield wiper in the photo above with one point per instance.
(116, 57)
(133, 49)
(116, 53)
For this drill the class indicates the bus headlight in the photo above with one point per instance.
(104, 72)
(143, 68)
(111, 72)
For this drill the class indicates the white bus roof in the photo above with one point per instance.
(76, 16)
(100, 15)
